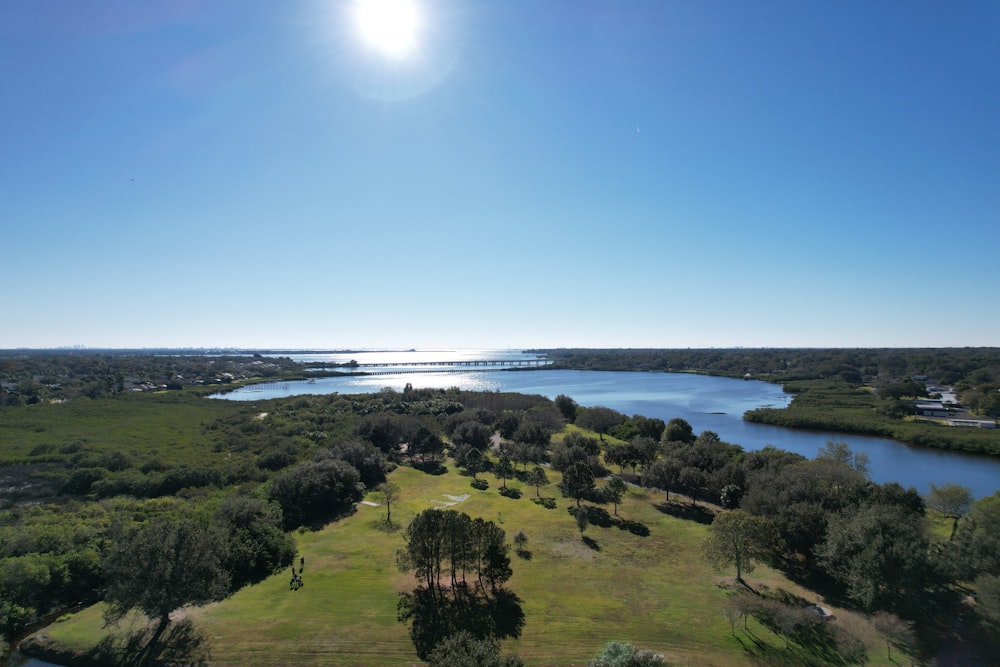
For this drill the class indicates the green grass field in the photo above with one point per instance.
(654, 590)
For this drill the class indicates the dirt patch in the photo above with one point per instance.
(452, 500)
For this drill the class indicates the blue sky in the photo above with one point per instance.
(536, 174)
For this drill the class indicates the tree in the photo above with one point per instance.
(894, 630)
(878, 553)
(474, 462)
(599, 419)
(316, 490)
(582, 521)
(678, 430)
(162, 566)
(951, 500)
(364, 456)
(425, 444)
(537, 478)
(840, 452)
(577, 448)
(730, 496)
(978, 538)
(614, 490)
(443, 543)
(988, 599)
(504, 470)
(256, 545)
(739, 538)
(577, 482)
(388, 492)
(624, 654)
(520, 539)
(567, 407)
(472, 434)
(463, 649)
(661, 474)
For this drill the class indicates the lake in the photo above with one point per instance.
(706, 402)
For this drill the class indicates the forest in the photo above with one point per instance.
(101, 480)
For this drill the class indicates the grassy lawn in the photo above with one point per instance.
(643, 581)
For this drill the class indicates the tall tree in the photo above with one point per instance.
(162, 566)
(577, 482)
(894, 630)
(739, 538)
(256, 545)
(613, 491)
(951, 500)
(599, 419)
(567, 407)
(978, 538)
(537, 478)
(504, 470)
(879, 553)
(678, 430)
(388, 492)
(661, 474)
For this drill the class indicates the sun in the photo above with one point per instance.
(390, 27)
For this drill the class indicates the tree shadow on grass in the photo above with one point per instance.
(687, 512)
(634, 527)
(430, 467)
(591, 542)
(180, 643)
(547, 503)
(435, 616)
(524, 554)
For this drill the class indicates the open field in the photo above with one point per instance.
(642, 580)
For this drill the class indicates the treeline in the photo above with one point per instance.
(974, 366)
(864, 391)
(30, 377)
(835, 405)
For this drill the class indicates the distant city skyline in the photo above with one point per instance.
(499, 175)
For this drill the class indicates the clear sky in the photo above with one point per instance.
(515, 173)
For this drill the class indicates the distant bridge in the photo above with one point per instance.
(465, 362)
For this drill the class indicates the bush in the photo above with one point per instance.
(316, 490)
(480, 484)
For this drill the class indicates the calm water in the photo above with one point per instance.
(708, 403)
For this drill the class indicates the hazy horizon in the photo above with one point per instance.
(500, 175)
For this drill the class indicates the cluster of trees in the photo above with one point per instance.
(443, 547)
(153, 557)
(462, 564)
(821, 518)
(308, 458)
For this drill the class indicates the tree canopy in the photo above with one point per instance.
(164, 565)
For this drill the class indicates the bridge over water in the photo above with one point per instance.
(463, 362)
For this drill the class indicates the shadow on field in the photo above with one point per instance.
(687, 512)
(435, 616)
(430, 467)
(179, 644)
(598, 516)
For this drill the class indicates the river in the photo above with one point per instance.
(706, 402)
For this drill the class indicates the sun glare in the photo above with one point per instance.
(391, 27)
